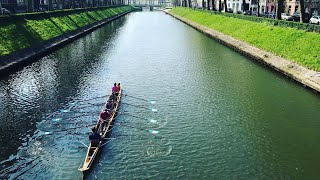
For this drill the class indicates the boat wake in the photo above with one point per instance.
(42, 155)
(157, 147)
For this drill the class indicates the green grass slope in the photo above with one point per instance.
(18, 34)
(293, 44)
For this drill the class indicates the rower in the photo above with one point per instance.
(115, 89)
(113, 97)
(119, 86)
(104, 116)
(109, 105)
(94, 137)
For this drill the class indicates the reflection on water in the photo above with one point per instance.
(218, 113)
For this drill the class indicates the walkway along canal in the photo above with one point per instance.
(220, 115)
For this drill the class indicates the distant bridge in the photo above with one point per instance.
(150, 3)
(147, 5)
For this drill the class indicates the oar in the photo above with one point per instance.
(151, 120)
(80, 107)
(149, 130)
(90, 105)
(152, 109)
(83, 143)
(92, 98)
(57, 119)
(63, 130)
(48, 132)
(107, 141)
(150, 101)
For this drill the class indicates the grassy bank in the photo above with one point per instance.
(296, 45)
(23, 31)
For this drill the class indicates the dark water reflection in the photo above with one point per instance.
(219, 115)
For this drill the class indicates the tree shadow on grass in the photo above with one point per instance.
(97, 14)
(31, 36)
(56, 25)
(73, 22)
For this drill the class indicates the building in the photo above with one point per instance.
(11, 5)
(271, 6)
(291, 6)
(263, 6)
(312, 7)
(235, 5)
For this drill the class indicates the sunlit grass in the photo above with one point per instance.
(18, 35)
(296, 45)
(11, 39)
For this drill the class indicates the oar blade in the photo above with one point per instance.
(56, 119)
(152, 102)
(46, 133)
(153, 131)
(64, 110)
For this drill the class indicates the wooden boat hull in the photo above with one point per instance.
(93, 150)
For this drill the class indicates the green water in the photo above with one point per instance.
(220, 115)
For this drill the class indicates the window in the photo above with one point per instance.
(4, 2)
(289, 9)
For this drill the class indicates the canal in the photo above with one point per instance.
(219, 114)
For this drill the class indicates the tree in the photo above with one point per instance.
(0, 8)
(258, 10)
(175, 3)
(225, 5)
(190, 5)
(243, 5)
(30, 5)
(302, 11)
(213, 5)
(280, 8)
(50, 5)
(36, 5)
(203, 4)
(208, 5)
(220, 7)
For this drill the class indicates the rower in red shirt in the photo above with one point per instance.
(104, 116)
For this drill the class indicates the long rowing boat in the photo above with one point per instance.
(93, 149)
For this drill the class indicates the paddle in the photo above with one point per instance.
(146, 100)
(90, 105)
(152, 109)
(63, 130)
(91, 98)
(57, 119)
(48, 132)
(151, 120)
(149, 130)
